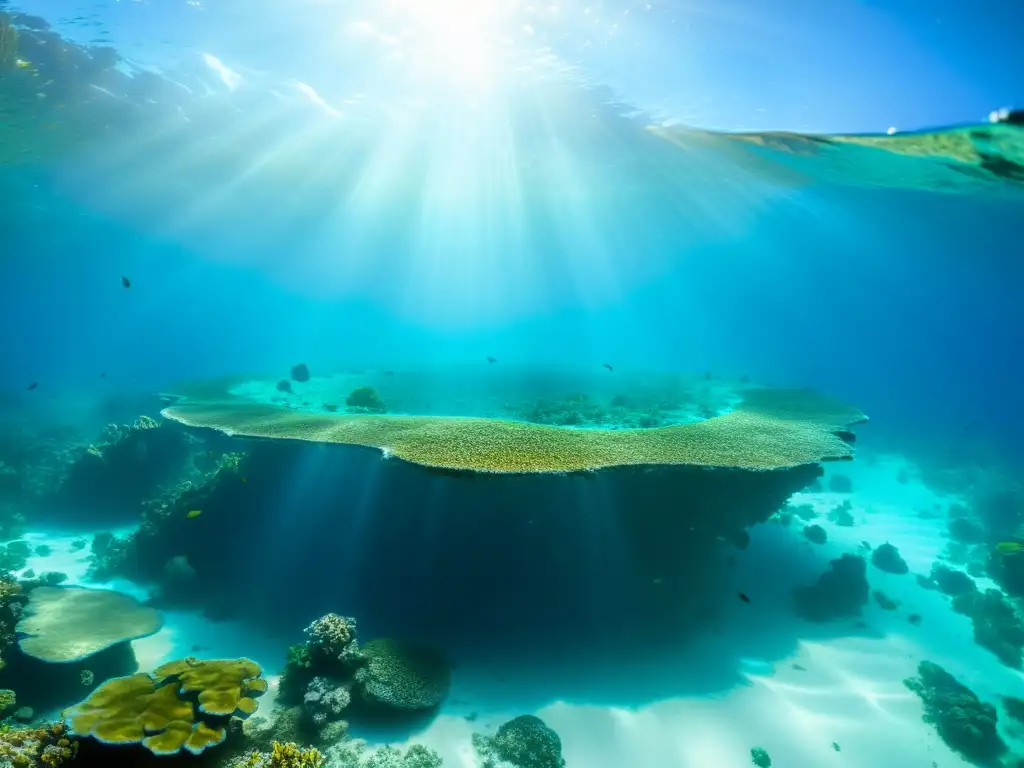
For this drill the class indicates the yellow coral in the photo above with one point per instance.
(771, 429)
(289, 755)
(158, 710)
(222, 684)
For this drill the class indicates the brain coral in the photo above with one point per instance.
(66, 624)
(182, 705)
(524, 742)
(770, 429)
(402, 676)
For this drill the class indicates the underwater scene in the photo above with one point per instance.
(499, 384)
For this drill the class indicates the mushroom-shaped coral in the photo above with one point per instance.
(524, 742)
(402, 676)
(183, 705)
(67, 624)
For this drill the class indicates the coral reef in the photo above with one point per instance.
(365, 399)
(325, 700)
(524, 742)
(951, 581)
(65, 624)
(815, 534)
(45, 746)
(966, 530)
(770, 429)
(997, 626)
(965, 723)
(169, 547)
(886, 557)
(402, 676)
(332, 642)
(840, 592)
(183, 705)
(841, 515)
(127, 466)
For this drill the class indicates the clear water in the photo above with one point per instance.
(503, 329)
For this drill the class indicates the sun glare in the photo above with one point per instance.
(458, 40)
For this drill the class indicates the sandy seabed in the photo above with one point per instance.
(758, 677)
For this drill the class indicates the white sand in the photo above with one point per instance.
(736, 687)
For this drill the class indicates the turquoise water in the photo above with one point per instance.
(504, 385)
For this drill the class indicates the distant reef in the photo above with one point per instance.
(769, 429)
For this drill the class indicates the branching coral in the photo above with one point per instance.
(183, 705)
(334, 637)
(325, 700)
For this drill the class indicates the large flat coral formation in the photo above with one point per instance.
(67, 624)
(959, 160)
(770, 429)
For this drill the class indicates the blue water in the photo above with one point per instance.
(466, 208)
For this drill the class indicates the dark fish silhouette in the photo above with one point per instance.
(300, 372)
(492, 359)
(33, 385)
(284, 386)
(605, 365)
(103, 375)
(743, 597)
(389, 373)
(126, 282)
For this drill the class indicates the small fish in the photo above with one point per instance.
(798, 668)
(126, 282)
(33, 385)
(492, 359)
(835, 745)
(606, 365)
(743, 597)
(389, 373)
(245, 480)
(103, 375)
(194, 514)
(285, 386)
(1007, 548)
